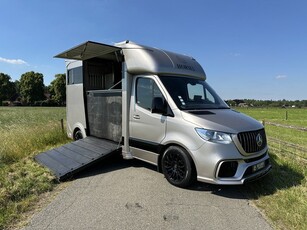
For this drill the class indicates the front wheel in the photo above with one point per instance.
(177, 166)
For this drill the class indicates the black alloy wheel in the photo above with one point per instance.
(177, 167)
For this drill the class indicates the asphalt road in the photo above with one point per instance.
(118, 194)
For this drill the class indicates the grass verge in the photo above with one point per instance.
(24, 133)
(282, 195)
(21, 184)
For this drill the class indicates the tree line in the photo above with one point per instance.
(30, 90)
(268, 103)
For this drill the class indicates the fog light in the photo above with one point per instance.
(228, 169)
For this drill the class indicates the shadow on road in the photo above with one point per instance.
(108, 164)
(115, 162)
(281, 177)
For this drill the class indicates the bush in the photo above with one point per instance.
(6, 103)
(17, 103)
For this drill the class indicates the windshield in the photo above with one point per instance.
(192, 94)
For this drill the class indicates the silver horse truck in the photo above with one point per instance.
(156, 106)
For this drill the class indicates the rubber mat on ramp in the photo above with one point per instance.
(76, 156)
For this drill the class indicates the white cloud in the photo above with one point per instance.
(13, 61)
(281, 76)
(235, 54)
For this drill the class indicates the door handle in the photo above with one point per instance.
(136, 116)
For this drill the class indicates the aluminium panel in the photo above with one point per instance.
(88, 50)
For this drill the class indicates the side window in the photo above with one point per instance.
(210, 97)
(75, 76)
(146, 90)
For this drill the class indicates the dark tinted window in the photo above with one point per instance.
(192, 94)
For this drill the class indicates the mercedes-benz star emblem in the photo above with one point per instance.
(259, 140)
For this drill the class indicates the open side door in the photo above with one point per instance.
(90, 50)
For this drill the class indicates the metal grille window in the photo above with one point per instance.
(75, 76)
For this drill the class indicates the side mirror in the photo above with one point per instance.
(158, 106)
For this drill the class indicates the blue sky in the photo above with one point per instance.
(254, 49)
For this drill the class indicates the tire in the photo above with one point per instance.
(177, 167)
(78, 135)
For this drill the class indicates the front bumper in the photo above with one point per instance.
(223, 164)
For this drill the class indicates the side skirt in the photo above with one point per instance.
(145, 150)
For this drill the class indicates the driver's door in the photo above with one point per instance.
(147, 129)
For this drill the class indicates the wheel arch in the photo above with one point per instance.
(77, 127)
(165, 147)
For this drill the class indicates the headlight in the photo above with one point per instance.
(214, 136)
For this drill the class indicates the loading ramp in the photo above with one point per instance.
(71, 158)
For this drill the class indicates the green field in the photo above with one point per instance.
(282, 195)
(294, 116)
(26, 131)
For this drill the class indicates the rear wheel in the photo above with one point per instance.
(177, 166)
(78, 135)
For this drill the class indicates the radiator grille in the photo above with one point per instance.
(253, 141)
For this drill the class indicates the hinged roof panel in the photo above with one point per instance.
(88, 50)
